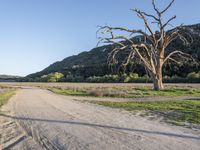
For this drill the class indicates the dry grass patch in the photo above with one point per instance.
(5, 95)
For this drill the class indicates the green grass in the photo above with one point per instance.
(5, 96)
(175, 111)
(168, 92)
(124, 92)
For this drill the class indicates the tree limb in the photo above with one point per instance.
(176, 52)
(170, 4)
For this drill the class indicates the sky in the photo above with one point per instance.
(37, 33)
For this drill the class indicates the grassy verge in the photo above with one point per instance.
(125, 92)
(5, 96)
(187, 111)
(69, 92)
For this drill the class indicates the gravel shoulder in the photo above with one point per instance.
(38, 119)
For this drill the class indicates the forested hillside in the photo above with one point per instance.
(8, 78)
(94, 62)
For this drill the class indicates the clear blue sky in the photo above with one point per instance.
(36, 33)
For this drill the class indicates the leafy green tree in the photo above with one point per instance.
(54, 77)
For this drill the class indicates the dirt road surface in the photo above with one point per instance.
(38, 119)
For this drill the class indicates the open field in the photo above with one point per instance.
(128, 92)
(123, 90)
(36, 118)
(92, 85)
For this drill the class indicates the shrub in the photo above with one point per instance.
(54, 77)
(134, 75)
(93, 79)
(96, 93)
(106, 93)
(193, 75)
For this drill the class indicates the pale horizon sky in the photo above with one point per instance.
(37, 33)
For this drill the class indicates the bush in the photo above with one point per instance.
(96, 93)
(107, 93)
(133, 75)
(110, 78)
(94, 79)
(54, 77)
(193, 75)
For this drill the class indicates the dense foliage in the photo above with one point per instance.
(113, 78)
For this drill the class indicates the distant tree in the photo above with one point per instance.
(148, 46)
(54, 77)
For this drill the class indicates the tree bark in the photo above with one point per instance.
(158, 78)
(158, 84)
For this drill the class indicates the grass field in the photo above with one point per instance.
(5, 96)
(128, 92)
(174, 111)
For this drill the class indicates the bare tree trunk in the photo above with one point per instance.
(158, 84)
(158, 78)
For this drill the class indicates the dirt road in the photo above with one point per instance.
(38, 119)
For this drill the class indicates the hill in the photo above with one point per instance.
(94, 62)
(8, 78)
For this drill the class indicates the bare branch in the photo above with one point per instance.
(141, 15)
(121, 29)
(170, 4)
(109, 29)
(146, 14)
(113, 53)
(178, 62)
(176, 52)
(167, 23)
(130, 56)
(155, 8)
(142, 58)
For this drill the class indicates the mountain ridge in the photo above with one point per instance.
(88, 63)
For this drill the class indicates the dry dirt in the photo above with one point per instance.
(38, 119)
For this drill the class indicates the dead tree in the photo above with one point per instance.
(150, 50)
